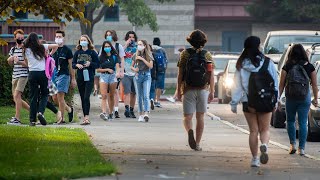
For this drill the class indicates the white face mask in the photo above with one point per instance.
(59, 40)
(140, 48)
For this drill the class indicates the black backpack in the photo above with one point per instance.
(262, 95)
(297, 83)
(196, 71)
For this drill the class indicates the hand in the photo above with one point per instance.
(87, 64)
(15, 59)
(121, 74)
(210, 97)
(128, 42)
(79, 66)
(139, 58)
(315, 102)
(179, 96)
(234, 108)
(110, 71)
(73, 83)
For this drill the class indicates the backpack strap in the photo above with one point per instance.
(117, 48)
(265, 64)
(304, 72)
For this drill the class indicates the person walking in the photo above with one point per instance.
(298, 97)
(19, 75)
(85, 61)
(251, 62)
(196, 84)
(143, 62)
(109, 63)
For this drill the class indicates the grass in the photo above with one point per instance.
(49, 153)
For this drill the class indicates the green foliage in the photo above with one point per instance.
(5, 81)
(49, 153)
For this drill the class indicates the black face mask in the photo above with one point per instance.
(19, 41)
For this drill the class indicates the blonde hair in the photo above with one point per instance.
(146, 51)
(90, 45)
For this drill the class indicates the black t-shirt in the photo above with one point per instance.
(108, 62)
(308, 67)
(61, 57)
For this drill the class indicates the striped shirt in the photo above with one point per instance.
(18, 70)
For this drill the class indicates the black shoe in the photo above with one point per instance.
(127, 114)
(132, 114)
(192, 142)
(152, 104)
(116, 114)
(70, 114)
(32, 124)
(42, 119)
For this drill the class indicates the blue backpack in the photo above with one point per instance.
(160, 60)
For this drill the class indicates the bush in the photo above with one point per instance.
(5, 81)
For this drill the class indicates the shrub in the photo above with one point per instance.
(5, 81)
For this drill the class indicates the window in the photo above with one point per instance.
(112, 13)
(20, 15)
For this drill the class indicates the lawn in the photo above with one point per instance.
(49, 153)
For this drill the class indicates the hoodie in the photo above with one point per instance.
(241, 80)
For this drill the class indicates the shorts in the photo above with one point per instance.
(195, 100)
(19, 84)
(62, 83)
(97, 74)
(160, 80)
(245, 107)
(107, 78)
(128, 84)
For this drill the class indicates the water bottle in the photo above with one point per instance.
(86, 75)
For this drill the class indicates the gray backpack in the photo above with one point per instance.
(297, 83)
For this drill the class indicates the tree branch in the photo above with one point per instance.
(100, 15)
(5, 6)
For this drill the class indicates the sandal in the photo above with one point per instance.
(85, 122)
(95, 92)
(60, 121)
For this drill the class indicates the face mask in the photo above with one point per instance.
(59, 40)
(140, 48)
(107, 49)
(109, 38)
(19, 41)
(84, 43)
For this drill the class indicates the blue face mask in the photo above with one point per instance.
(84, 43)
(107, 49)
(109, 38)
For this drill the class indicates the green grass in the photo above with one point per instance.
(49, 153)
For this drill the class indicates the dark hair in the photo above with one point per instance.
(36, 47)
(61, 32)
(131, 32)
(18, 31)
(251, 51)
(113, 34)
(297, 55)
(103, 54)
(156, 41)
(197, 39)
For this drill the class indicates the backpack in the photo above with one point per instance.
(262, 95)
(297, 83)
(161, 60)
(50, 66)
(154, 69)
(196, 74)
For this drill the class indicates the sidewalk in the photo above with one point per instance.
(159, 149)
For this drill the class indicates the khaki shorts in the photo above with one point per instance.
(195, 100)
(19, 84)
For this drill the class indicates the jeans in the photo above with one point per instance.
(38, 83)
(143, 83)
(153, 89)
(85, 89)
(302, 108)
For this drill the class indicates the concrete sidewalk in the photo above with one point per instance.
(159, 149)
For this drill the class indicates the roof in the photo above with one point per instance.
(294, 32)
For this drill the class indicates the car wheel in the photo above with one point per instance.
(310, 135)
(279, 119)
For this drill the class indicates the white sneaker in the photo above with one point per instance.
(264, 154)
(171, 99)
(103, 116)
(255, 162)
(141, 118)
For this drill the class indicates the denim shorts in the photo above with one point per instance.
(160, 80)
(62, 82)
(107, 78)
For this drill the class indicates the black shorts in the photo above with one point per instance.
(245, 107)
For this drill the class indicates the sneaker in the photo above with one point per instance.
(152, 104)
(171, 99)
(292, 149)
(70, 115)
(255, 162)
(116, 114)
(146, 118)
(157, 104)
(104, 116)
(110, 117)
(191, 140)
(42, 119)
(141, 118)
(264, 154)
(132, 114)
(14, 121)
(198, 148)
(301, 152)
(127, 113)
(32, 124)
(99, 96)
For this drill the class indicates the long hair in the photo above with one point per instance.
(103, 55)
(251, 51)
(90, 45)
(147, 52)
(297, 55)
(36, 47)
(131, 32)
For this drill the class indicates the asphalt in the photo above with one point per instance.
(159, 149)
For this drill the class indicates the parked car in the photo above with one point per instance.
(314, 53)
(226, 82)
(221, 60)
(277, 41)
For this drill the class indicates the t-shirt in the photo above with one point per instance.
(18, 69)
(308, 67)
(80, 57)
(35, 64)
(140, 64)
(129, 52)
(109, 62)
(61, 57)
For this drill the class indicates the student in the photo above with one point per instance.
(85, 61)
(251, 61)
(19, 75)
(143, 62)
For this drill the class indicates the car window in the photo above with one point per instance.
(232, 67)
(220, 63)
(314, 58)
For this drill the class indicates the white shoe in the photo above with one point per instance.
(171, 99)
(141, 118)
(264, 154)
(255, 162)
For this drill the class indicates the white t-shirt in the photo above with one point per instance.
(35, 64)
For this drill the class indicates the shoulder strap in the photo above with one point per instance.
(304, 72)
(117, 47)
(265, 64)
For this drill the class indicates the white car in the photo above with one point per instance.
(225, 82)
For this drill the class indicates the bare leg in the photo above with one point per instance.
(253, 137)
(199, 126)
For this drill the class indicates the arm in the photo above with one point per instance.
(72, 73)
(53, 48)
(314, 87)
(10, 60)
(149, 64)
(282, 82)
(74, 60)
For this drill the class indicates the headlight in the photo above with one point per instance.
(228, 82)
